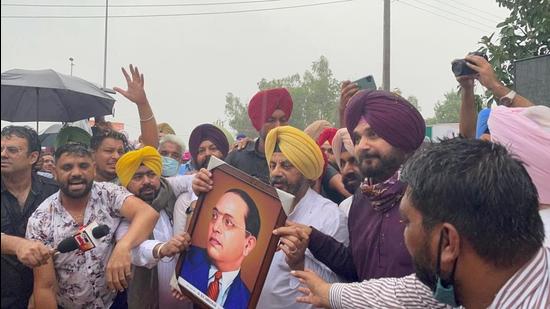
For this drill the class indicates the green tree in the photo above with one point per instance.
(412, 99)
(315, 95)
(237, 115)
(525, 33)
(447, 110)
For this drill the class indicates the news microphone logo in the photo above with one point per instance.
(85, 239)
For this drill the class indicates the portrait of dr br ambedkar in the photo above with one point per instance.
(233, 229)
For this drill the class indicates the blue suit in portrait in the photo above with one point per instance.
(195, 269)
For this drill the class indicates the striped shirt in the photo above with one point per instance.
(529, 287)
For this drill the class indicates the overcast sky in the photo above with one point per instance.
(191, 62)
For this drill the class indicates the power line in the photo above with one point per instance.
(436, 14)
(468, 12)
(474, 8)
(453, 13)
(135, 5)
(170, 15)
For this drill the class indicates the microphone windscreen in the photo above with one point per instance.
(100, 231)
(67, 245)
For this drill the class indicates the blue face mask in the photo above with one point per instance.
(444, 290)
(170, 167)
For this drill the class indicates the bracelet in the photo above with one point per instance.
(158, 250)
(145, 120)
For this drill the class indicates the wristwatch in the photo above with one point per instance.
(508, 98)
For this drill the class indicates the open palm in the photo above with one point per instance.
(135, 91)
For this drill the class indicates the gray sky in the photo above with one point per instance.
(191, 62)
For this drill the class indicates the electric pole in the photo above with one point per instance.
(386, 59)
(71, 59)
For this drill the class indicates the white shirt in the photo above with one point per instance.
(225, 282)
(183, 202)
(281, 288)
(545, 216)
(142, 255)
(345, 205)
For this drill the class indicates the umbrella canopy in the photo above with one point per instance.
(46, 95)
(48, 136)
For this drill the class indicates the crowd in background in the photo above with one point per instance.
(380, 217)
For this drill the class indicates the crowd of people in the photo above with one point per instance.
(380, 217)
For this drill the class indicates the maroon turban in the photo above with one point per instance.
(327, 135)
(265, 102)
(211, 133)
(392, 117)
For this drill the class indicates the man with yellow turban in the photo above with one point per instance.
(140, 171)
(295, 162)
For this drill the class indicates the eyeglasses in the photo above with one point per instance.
(12, 150)
(228, 222)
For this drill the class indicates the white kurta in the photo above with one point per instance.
(281, 288)
(142, 255)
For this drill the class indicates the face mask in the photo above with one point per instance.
(444, 290)
(170, 167)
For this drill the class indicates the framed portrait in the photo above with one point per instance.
(232, 244)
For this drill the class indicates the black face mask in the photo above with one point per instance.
(444, 289)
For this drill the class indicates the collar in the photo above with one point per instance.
(94, 197)
(531, 279)
(305, 201)
(227, 277)
(36, 182)
(254, 147)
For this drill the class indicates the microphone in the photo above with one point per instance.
(85, 239)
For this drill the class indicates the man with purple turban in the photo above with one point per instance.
(206, 140)
(268, 109)
(386, 129)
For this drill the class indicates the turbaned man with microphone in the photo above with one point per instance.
(86, 279)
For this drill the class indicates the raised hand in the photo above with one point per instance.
(486, 75)
(136, 90)
(347, 91)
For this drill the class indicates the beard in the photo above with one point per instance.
(352, 181)
(65, 187)
(380, 167)
(148, 193)
(284, 185)
(423, 267)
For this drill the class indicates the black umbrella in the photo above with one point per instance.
(46, 95)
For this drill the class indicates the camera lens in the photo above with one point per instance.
(457, 67)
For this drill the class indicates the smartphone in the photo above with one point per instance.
(366, 82)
